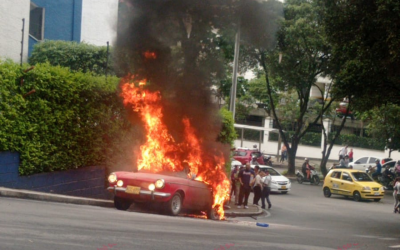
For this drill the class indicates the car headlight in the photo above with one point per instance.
(274, 182)
(120, 183)
(366, 188)
(152, 187)
(112, 178)
(382, 189)
(160, 183)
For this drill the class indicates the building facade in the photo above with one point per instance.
(90, 21)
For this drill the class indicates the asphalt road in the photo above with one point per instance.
(302, 219)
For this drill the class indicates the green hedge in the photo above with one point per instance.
(72, 120)
(249, 135)
(76, 56)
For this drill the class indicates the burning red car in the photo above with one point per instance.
(172, 191)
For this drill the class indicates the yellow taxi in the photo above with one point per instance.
(352, 183)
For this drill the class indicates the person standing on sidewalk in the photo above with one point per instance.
(266, 182)
(257, 186)
(244, 178)
(351, 155)
(283, 153)
(233, 182)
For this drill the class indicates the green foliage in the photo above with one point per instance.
(384, 123)
(227, 134)
(365, 37)
(76, 56)
(72, 120)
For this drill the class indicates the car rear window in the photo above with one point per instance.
(361, 176)
(239, 153)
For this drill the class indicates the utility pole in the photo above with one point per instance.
(234, 75)
(22, 40)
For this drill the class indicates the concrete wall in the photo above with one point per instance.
(99, 21)
(85, 182)
(304, 151)
(11, 14)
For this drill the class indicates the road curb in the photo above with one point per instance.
(239, 214)
(27, 194)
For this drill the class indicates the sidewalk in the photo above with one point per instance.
(253, 210)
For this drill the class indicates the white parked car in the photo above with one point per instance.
(279, 183)
(367, 161)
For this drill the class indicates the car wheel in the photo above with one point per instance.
(121, 203)
(299, 179)
(174, 205)
(316, 180)
(212, 213)
(327, 192)
(284, 192)
(377, 200)
(356, 196)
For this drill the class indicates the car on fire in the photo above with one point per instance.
(173, 192)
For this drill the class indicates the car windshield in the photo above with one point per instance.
(361, 176)
(272, 171)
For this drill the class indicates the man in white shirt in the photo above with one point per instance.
(342, 152)
(266, 183)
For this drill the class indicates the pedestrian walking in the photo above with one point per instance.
(351, 155)
(237, 185)
(283, 153)
(244, 177)
(266, 183)
(396, 194)
(342, 152)
(257, 186)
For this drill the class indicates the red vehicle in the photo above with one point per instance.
(173, 192)
(341, 111)
(245, 155)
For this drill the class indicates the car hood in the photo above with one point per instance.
(149, 177)
(279, 178)
(371, 184)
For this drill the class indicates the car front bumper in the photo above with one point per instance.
(277, 188)
(143, 194)
(372, 195)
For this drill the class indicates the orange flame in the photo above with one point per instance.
(162, 153)
(150, 55)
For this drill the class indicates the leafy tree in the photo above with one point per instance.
(384, 123)
(228, 133)
(76, 56)
(305, 56)
(365, 38)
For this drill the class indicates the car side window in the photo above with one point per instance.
(372, 160)
(257, 154)
(362, 160)
(336, 174)
(346, 177)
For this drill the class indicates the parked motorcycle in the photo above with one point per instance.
(314, 178)
(267, 160)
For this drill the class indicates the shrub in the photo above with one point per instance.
(72, 120)
(75, 56)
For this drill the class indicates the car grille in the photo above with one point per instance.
(282, 182)
(375, 189)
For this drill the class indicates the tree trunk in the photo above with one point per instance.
(292, 151)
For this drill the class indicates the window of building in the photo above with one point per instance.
(36, 22)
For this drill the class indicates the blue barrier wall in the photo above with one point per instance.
(84, 182)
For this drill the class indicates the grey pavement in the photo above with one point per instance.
(230, 208)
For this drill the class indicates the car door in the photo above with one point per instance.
(335, 182)
(347, 184)
(371, 163)
(361, 163)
